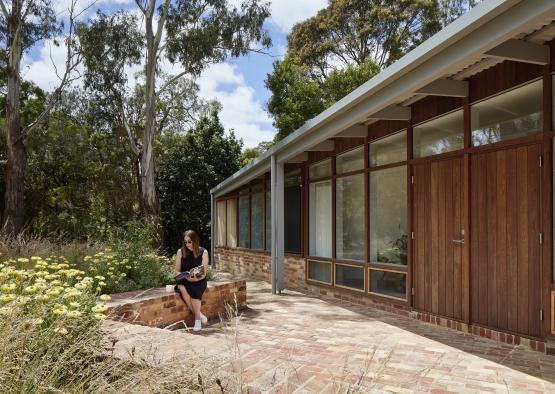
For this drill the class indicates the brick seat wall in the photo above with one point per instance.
(158, 308)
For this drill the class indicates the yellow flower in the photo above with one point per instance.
(23, 260)
(99, 277)
(53, 292)
(73, 314)
(72, 293)
(61, 331)
(87, 258)
(99, 316)
(30, 289)
(42, 297)
(36, 258)
(128, 267)
(123, 274)
(81, 286)
(60, 309)
(105, 297)
(102, 284)
(38, 321)
(98, 308)
(7, 297)
(8, 287)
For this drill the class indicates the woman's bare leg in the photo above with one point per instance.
(196, 308)
(186, 297)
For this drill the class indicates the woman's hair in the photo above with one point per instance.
(194, 238)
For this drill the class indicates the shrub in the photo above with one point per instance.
(49, 311)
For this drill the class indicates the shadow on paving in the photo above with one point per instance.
(261, 303)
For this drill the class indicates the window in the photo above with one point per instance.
(513, 114)
(388, 215)
(244, 221)
(352, 160)
(390, 149)
(220, 223)
(268, 220)
(349, 276)
(440, 135)
(320, 221)
(388, 283)
(257, 221)
(349, 225)
(292, 219)
(321, 169)
(319, 271)
(231, 210)
(293, 178)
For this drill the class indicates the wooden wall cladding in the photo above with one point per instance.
(345, 144)
(505, 248)
(384, 127)
(552, 47)
(432, 106)
(501, 77)
(438, 220)
(313, 157)
(553, 312)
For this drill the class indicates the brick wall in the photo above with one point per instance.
(158, 308)
(244, 262)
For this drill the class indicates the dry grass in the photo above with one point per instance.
(27, 245)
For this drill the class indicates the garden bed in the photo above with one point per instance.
(158, 308)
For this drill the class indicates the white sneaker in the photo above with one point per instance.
(198, 326)
(203, 318)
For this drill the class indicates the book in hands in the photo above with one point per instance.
(193, 273)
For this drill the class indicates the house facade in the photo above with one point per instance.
(427, 191)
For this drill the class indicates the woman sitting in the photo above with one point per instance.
(191, 288)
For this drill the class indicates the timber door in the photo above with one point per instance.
(438, 245)
(505, 241)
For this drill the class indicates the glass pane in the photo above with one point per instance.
(510, 115)
(389, 149)
(319, 271)
(348, 276)
(232, 223)
(392, 284)
(268, 220)
(293, 178)
(443, 134)
(320, 169)
(258, 186)
(349, 224)
(553, 212)
(244, 222)
(320, 210)
(352, 160)
(292, 219)
(388, 215)
(257, 217)
(220, 224)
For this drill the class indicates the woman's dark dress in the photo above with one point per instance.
(195, 289)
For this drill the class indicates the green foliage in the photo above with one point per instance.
(249, 154)
(189, 167)
(80, 183)
(297, 97)
(207, 31)
(342, 46)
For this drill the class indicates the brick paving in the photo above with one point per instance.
(298, 343)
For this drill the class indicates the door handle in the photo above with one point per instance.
(460, 241)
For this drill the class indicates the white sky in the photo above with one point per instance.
(242, 108)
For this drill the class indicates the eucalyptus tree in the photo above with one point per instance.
(24, 23)
(188, 35)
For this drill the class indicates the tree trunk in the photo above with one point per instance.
(149, 197)
(16, 165)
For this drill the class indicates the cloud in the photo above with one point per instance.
(49, 59)
(240, 109)
(285, 13)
